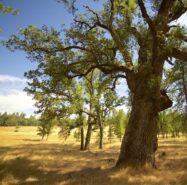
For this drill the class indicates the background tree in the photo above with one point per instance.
(164, 127)
(46, 125)
(12, 120)
(120, 123)
(102, 99)
(176, 84)
(171, 123)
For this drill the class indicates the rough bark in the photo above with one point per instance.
(138, 144)
(140, 140)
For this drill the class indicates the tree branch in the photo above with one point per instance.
(111, 13)
(152, 29)
(60, 49)
(105, 68)
(136, 34)
(178, 13)
(165, 8)
(122, 48)
(165, 101)
(89, 114)
(147, 18)
(179, 54)
(115, 81)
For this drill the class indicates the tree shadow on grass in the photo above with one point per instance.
(28, 172)
(49, 164)
(31, 140)
(64, 164)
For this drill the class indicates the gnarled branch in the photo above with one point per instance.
(178, 13)
(178, 54)
(147, 18)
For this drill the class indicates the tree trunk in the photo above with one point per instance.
(140, 140)
(173, 134)
(138, 144)
(82, 138)
(88, 134)
(163, 135)
(42, 137)
(47, 137)
(100, 136)
(99, 119)
(110, 132)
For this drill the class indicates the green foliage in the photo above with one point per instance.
(111, 129)
(119, 121)
(171, 122)
(70, 4)
(12, 120)
(175, 82)
(77, 135)
(17, 119)
(16, 129)
(66, 126)
(7, 9)
(44, 129)
(104, 40)
(46, 125)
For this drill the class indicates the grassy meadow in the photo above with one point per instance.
(26, 160)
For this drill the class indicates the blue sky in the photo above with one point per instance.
(13, 65)
(34, 12)
(31, 12)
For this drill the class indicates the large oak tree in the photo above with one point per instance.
(131, 39)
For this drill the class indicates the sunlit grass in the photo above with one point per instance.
(25, 159)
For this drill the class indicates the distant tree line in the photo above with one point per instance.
(17, 119)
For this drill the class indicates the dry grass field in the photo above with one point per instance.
(26, 160)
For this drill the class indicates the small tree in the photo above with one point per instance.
(110, 130)
(119, 121)
(45, 126)
(66, 126)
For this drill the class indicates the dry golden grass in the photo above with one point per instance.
(26, 160)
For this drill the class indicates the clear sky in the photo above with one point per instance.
(13, 65)
(31, 12)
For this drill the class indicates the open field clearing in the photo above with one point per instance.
(26, 160)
